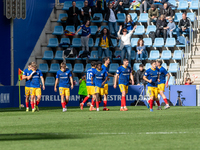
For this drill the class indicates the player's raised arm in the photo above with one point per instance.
(71, 81)
(29, 77)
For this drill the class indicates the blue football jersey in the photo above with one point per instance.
(27, 72)
(90, 74)
(100, 76)
(64, 78)
(35, 80)
(152, 74)
(162, 72)
(104, 67)
(124, 74)
(85, 30)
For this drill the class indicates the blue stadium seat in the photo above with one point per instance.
(143, 17)
(191, 16)
(194, 5)
(54, 68)
(166, 55)
(69, 66)
(139, 30)
(147, 66)
(173, 67)
(134, 42)
(76, 42)
(43, 68)
(77, 81)
(113, 67)
(94, 55)
(65, 40)
(117, 53)
(67, 4)
(178, 17)
(48, 55)
(183, 5)
(147, 42)
(110, 54)
(158, 42)
(78, 68)
(171, 80)
(133, 16)
(53, 42)
(96, 42)
(58, 30)
(114, 42)
(173, 2)
(110, 82)
(170, 42)
(164, 65)
(93, 29)
(150, 28)
(60, 17)
(59, 55)
(49, 81)
(98, 15)
(177, 55)
(90, 42)
(136, 66)
(104, 27)
(70, 28)
(79, 4)
(121, 17)
(88, 66)
(154, 54)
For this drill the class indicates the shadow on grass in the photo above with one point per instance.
(39, 136)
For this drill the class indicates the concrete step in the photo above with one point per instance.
(190, 74)
(195, 69)
(196, 57)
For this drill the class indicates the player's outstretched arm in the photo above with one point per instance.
(115, 81)
(72, 84)
(42, 79)
(55, 86)
(145, 78)
(132, 80)
(24, 77)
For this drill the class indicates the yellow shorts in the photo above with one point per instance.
(35, 91)
(161, 87)
(106, 89)
(99, 90)
(90, 90)
(64, 91)
(123, 88)
(153, 92)
(27, 91)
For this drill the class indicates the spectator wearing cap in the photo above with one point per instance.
(85, 12)
(139, 75)
(141, 50)
(153, 14)
(170, 27)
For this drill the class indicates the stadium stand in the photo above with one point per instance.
(49, 81)
(54, 68)
(44, 68)
(48, 55)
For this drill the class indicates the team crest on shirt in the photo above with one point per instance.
(38, 74)
(66, 73)
(102, 74)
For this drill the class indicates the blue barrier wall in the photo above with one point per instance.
(5, 48)
(27, 32)
(9, 96)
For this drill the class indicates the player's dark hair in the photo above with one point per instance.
(30, 63)
(99, 62)
(105, 59)
(93, 63)
(159, 61)
(184, 13)
(141, 65)
(125, 59)
(153, 61)
(63, 65)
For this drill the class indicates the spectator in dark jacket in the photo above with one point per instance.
(104, 42)
(85, 12)
(111, 16)
(145, 4)
(73, 13)
(153, 14)
(167, 11)
(183, 25)
(161, 25)
(139, 75)
(121, 7)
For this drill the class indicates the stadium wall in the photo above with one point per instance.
(27, 32)
(9, 96)
(5, 48)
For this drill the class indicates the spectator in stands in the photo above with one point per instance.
(86, 32)
(125, 45)
(145, 4)
(98, 7)
(167, 11)
(159, 3)
(82, 88)
(153, 14)
(111, 16)
(85, 12)
(139, 75)
(104, 42)
(129, 23)
(183, 25)
(188, 81)
(161, 27)
(122, 4)
(170, 27)
(73, 13)
(141, 50)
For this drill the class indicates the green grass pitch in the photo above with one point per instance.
(51, 129)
